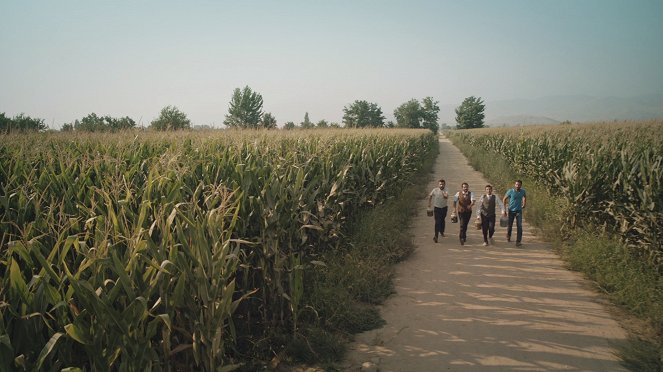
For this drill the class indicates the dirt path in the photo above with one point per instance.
(495, 308)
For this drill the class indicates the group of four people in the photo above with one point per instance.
(463, 202)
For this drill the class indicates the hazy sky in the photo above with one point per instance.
(61, 60)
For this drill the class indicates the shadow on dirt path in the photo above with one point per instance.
(476, 308)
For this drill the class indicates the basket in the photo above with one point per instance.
(454, 218)
(429, 212)
(477, 223)
(504, 220)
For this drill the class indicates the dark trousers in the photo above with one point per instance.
(518, 216)
(487, 226)
(440, 215)
(464, 219)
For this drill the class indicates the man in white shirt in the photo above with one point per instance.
(438, 198)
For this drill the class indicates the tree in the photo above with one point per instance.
(413, 114)
(470, 113)
(94, 123)
(171, 118)
(322, 124)
(268, 121)
(408, 115)
(121, 123)
(245, 109)
(430, 111)
(289, 125)
(21, 123)
(5, 123)
(90, 123)
(362, 114)
(306, 124)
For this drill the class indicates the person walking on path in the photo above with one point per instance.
(517, 199)
(438, 197)
(486, 211)
(463, 204)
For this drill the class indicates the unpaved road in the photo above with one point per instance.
(495, 308)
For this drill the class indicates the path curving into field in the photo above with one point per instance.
(495, 308)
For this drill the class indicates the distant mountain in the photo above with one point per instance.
(574, 108)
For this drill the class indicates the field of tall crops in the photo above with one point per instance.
(611, 174)
(149, 251)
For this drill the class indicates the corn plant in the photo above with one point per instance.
(162, 251)
(611, 173)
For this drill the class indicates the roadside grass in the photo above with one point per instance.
(357, 276)
(629, 283)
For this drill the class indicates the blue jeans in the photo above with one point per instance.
(518, 215)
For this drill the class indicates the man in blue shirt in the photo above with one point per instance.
(517, 199)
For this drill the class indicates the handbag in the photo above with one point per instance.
(477, 223)
(504, 220)
(429, 212)
(454, 218)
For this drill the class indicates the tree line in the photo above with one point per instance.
(245, 111)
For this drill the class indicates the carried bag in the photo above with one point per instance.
(454, 218)
(477, 223)
(504, 220)
(429, 212)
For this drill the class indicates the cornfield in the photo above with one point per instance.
(152, 251)
(611, 174)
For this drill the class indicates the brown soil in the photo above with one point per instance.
(495, 308)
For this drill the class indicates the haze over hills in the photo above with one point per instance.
(574, 108)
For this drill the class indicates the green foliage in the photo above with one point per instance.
(268, 121)
(612, 174)
(94, 123)
(630, 278)
(91, 123)
(363, 114)
(430, 111)
(642, 355)
(171, 118)
(408, 115)
(21, 123)
(148, 250)
(289, 125)
(307, 123)
(245, 109)
(322, 124)
(413, 114)
(470, 113)
(5, 123)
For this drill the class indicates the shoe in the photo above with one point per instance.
(435, 239)
(485, 244)
(442, 235)
(508, 238)
(491, 241)
(462, 241)
(518, 244)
